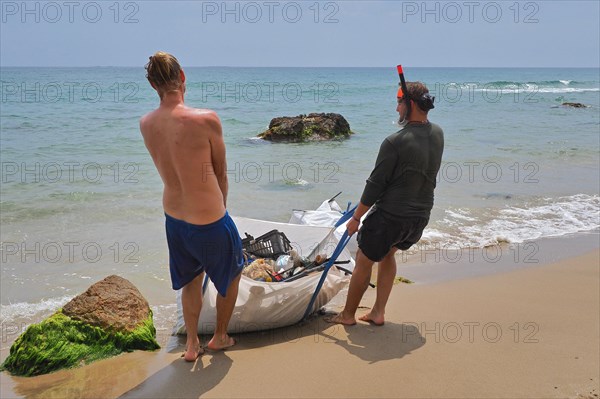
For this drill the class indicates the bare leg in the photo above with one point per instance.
(191, 301)
(385, 280)
(358, 285)
(225, 305)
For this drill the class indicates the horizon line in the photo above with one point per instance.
(288, 66)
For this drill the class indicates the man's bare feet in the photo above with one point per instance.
(191, 355)
(341, 318)
(221, 343)
(373, 318)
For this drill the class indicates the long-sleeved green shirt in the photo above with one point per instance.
(405, 172)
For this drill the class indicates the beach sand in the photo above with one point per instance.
(530, 332)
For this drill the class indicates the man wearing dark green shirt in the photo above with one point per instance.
(399, 193)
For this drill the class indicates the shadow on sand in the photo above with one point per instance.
(369, 343)
(378, 343)
(186, 379)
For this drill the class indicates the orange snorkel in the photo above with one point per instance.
(403, 91)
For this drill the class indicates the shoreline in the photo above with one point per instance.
(439, 265)
(446, 331)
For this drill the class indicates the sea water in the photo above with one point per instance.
(81, 198)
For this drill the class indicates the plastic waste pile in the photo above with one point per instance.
(270, 258)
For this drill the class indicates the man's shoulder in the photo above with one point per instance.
(433, 127)
(146, 120)
(201, 120)
(201, 115)
(397, 136)
(436, 131)
(436, 127)
(408, 133)
(202, 112)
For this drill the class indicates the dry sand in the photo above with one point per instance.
(526, 333)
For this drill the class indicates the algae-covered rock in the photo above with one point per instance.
(311, 127)
(111, 317)
(575, 105)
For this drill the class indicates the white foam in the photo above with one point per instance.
(461, 214)
(27, 313)
(164, 316)
(297, 182)
(566, 90)
(31, 311)
(547, 217)
(433, 236)
(522, 88)
(532, 89)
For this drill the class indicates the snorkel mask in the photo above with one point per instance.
(425, 102)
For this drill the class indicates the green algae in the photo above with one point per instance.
(401, 279)
(62, 342)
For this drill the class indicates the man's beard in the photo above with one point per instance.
(402, 121)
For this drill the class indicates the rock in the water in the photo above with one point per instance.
(113, 303)
(311, 127)
(111, 317)
(574, 105)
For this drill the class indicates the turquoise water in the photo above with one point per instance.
(81, 199)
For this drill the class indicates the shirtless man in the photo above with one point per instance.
(187, 147)
(399, 193)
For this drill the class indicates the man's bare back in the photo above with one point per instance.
(187, 147)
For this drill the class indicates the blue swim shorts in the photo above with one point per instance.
(214, 248)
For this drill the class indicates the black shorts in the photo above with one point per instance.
(381, 231)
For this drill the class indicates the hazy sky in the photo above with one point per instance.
(302, 33)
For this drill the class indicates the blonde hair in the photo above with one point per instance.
(164, 72)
